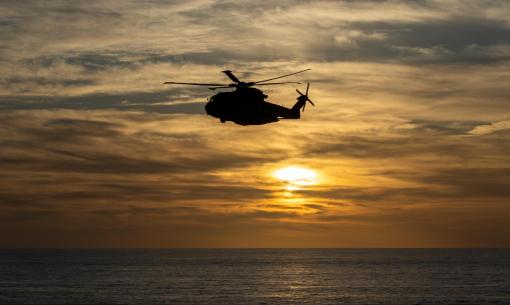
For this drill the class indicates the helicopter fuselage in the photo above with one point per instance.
(247, 106)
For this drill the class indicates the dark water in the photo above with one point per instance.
(249, 276)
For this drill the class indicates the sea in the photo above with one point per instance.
(255, 276)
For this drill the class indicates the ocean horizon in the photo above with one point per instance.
(255, 276)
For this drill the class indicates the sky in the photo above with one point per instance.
(407, 146)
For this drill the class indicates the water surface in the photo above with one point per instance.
(255, 276)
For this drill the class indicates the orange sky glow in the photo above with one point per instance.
(407, 146)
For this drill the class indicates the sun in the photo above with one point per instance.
(296, 177)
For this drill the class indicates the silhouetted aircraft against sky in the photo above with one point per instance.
(246, 105)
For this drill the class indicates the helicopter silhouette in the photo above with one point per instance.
(246, 105)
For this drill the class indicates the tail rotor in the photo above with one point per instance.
(304, 97)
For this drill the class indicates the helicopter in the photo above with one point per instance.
(246, 105)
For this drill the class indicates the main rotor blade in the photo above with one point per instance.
(261, 81)
(195, 84)
(231, 76)
(277, 83)
(222, 87)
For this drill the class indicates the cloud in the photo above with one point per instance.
(468, 41)
(490, 128)
(96, 151)
(162, 101)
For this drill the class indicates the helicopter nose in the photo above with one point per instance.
(209, 108)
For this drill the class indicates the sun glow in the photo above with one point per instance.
(296, 177)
